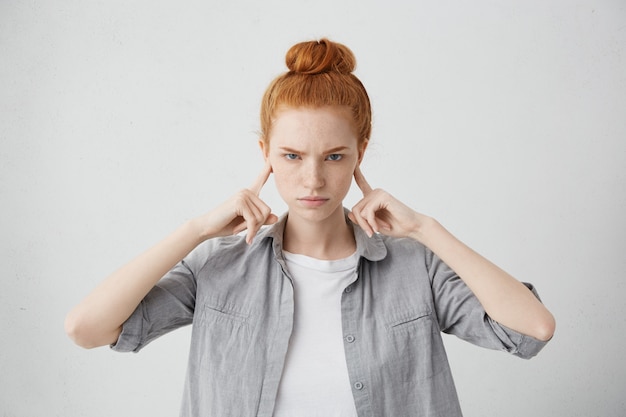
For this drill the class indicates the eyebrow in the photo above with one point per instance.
(329, 151)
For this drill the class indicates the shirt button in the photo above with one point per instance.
(358, 385)
(349, 338)
(349, 289)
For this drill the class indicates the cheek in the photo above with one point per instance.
(283, 177)
(281, 180)
(342, 179)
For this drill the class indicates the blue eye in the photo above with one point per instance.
(291, 156)
(334, 157)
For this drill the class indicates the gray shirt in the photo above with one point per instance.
(239, 300)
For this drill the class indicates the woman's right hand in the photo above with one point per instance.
(97, 320)
(244, 210)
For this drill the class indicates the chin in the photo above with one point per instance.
(316, 214)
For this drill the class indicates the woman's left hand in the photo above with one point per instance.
(504, 298)
(380, 212)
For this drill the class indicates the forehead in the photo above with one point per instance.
(324, 127)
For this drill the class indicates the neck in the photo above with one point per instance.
(329, 240)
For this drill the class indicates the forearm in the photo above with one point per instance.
(98, 319)
(505, 299)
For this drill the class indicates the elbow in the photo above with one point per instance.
(78, 331)
(545, 328)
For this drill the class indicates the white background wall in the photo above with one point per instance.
(119, 120)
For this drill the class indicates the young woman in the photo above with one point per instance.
(328, 311)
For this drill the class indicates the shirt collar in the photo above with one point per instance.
(371, 248)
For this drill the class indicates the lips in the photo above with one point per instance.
(313, 201)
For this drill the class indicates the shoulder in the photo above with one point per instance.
(404, 247)
(225, 251)
(408, 253)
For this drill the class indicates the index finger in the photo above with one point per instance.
(361, 182)
(258, 184)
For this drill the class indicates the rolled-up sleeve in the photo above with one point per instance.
(169, 305)
(460, 313)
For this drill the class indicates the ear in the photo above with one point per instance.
(362, 148)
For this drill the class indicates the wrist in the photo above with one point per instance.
(195, 230)
(427, 227)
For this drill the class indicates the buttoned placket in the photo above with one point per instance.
(349, 307)
(351, 345)
(269, 402)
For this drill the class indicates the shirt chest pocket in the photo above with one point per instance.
(216, 313)
(418, 321)
(414, 345)
(220, 321)
(221, 335)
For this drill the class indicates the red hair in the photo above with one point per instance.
(320, 74)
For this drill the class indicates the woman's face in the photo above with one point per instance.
(313, 153)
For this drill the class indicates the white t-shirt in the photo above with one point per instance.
(315, 380)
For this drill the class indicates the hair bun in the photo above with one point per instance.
(316, 57)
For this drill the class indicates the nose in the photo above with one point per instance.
(313, 175)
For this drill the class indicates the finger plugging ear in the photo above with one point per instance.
(254, 211)
(260, 181)
(361, 182)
